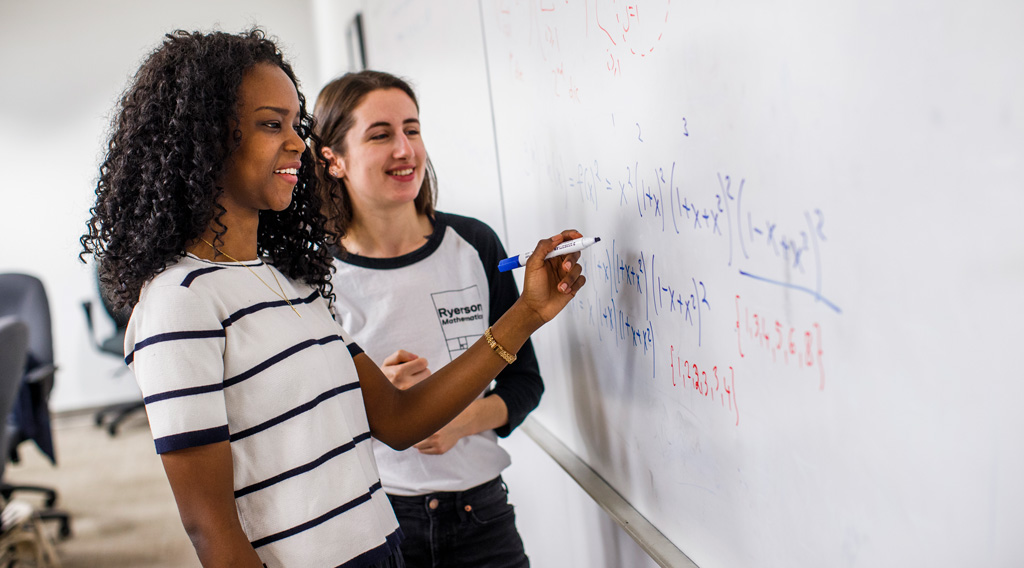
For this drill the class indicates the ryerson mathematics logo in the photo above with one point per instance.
(461, 315)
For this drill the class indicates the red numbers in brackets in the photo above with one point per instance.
(717, 384)
(786, 344)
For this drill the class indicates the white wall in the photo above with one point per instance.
(446, 68)
(63, 65)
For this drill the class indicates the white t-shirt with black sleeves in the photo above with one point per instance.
(435, 302)
(220, 357)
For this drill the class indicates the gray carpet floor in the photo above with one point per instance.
(123, 512)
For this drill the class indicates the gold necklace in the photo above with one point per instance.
(278, 282)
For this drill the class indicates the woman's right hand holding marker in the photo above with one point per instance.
(549, 285)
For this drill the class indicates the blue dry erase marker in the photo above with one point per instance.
(564, 248)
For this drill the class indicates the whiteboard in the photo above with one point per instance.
(798, 343)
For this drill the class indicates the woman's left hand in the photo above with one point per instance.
(441, 441)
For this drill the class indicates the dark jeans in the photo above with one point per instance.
(393, 561)
(475, 528)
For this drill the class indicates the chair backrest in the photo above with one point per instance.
(13, 356)
(24, 297)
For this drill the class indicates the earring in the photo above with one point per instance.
(335, 172)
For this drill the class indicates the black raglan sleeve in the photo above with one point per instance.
(519, 385)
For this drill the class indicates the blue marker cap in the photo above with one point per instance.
(508, 264)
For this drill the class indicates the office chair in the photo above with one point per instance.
(21, 537)
(113, 345)
(13, 356)
(24, 297)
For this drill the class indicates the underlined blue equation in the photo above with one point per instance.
(717, 210)
(751, 235)
(816, 294)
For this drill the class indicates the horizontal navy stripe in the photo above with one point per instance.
(265, 305)
(294, 412)
(280, 357)
(354, 349)
(191, 439)
(173, 336)
(183, 392)
(365, 497)
(304, 468)
(197, 273)
(374, 555)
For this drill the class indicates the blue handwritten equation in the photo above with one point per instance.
(653, 195)
(638, 290)
(631, 292)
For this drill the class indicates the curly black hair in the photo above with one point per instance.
(173, 129)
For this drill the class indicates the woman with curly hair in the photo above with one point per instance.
(208, 223)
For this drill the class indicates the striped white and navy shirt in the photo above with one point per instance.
(218, 357)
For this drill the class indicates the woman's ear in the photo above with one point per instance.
(335, 165)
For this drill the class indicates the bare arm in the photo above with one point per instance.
(401, 418)
(405, 369)
(202, 481)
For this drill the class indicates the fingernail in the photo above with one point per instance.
(563, 286)
(567, 265)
